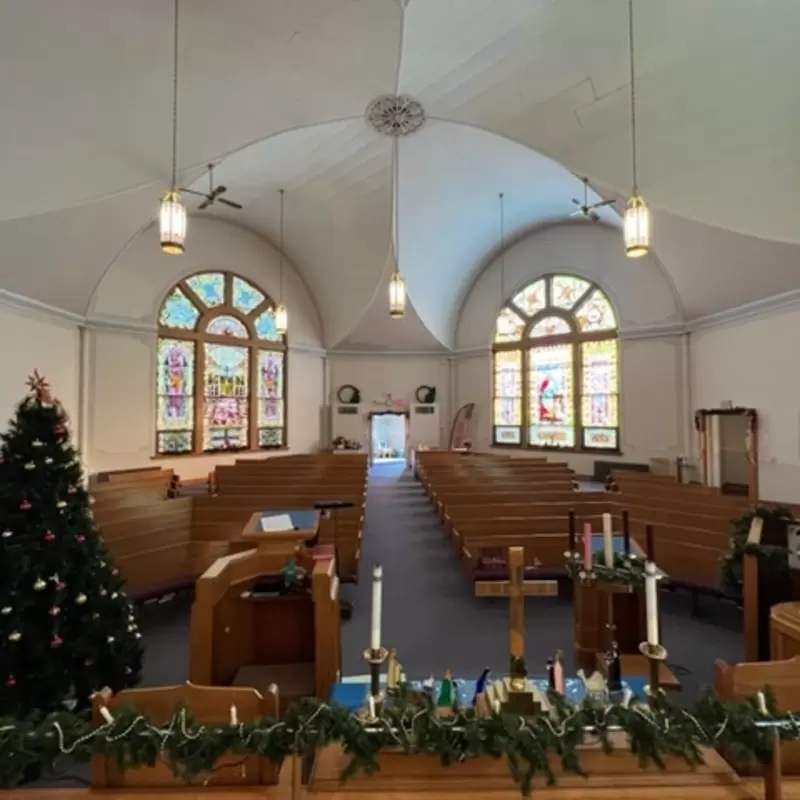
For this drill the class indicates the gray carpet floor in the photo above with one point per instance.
(431, 616)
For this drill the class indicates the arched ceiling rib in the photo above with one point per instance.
(276, 92)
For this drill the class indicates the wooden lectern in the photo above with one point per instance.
(242, 637)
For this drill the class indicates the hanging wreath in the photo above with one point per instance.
(426, 395)
(348, 395)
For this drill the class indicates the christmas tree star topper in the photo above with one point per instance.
(39, 387)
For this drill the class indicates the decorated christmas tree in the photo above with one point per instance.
(67, 627)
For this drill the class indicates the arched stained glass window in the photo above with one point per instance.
(556, 368)
(221, 368)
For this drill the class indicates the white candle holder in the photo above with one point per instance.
(655, 654)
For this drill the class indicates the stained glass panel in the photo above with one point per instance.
(551, 396)
(270, 396)
(507, 404)
(246, 297)
(265, 326)
(173, 442)
(228, 326)
(596, 313)
(270, 437)
(599, 401)
(175, 385)
(566, 290)
(226, 397)
(178, 311)
(509, 327)
(600, 438)
(550, 326)
(532, 298)
(508, 374)
(209, 287)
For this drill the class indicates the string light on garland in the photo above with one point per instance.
(14, 636)
(7, 534)
(654, 731)
(38, 585)
(80, 599)
(6, 610)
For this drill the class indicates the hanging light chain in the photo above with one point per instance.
(280, 255)
(175, 97)
(502, 248)
(396, 181)
(634, 154)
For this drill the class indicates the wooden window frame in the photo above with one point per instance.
(200, 338)
(575, 338)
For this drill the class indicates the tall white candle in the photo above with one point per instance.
(234, 716)
(377, 591)
(651, 601)
(608, 541)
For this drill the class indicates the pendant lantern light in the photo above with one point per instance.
(281, 315)
(397, 286)
(172, 214)
(636, 223)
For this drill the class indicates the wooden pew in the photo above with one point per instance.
(739, 681)
(148, 535)
(206, 704)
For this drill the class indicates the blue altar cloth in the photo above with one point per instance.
(353, 695)
(302, 520)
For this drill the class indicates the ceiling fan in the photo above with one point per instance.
(586, 210)
(213, 193)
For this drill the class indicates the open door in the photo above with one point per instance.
(388, 436)
(728, 445)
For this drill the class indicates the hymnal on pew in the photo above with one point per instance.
(278, 522)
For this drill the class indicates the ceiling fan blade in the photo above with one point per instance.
(192, 191)
(204, 205)
(577, 202)
(220, 190)
(578, 213)
(604, 203)
(230, 203)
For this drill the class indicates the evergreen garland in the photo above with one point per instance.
(628, 569)
(655, 731)
(772, 558)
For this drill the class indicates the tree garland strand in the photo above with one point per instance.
(655, 731)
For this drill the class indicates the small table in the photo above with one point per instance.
(305, 524)
(636, 666)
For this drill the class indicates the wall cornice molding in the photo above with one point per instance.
(758, 308)
(18, 302)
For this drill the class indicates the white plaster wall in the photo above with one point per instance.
(650, 407)
(36, 341)
(638, 288)
(377, 375)
(122, 407)
(754, 363)
(122, 362)
(135, 284)
(651, 375)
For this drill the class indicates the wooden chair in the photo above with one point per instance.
(205, 704)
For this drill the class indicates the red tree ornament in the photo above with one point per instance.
(49, 536)
(80, 538)
(56, 641)
(11, 681)
(25, 506)
(59, 429)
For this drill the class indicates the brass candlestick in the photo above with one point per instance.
(655, 654)
(375, 658)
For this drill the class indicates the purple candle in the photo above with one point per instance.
(572, 539)
(649, 542)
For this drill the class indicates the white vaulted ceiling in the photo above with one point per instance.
(520, 95)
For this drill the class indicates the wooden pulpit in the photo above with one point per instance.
(246, 638)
